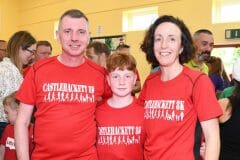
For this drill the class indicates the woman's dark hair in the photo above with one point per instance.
(186, 40)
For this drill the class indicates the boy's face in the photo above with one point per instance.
(11, 114)
(121, 82)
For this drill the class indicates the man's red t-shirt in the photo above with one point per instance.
(65, 99)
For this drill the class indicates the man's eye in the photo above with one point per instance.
(67, 31)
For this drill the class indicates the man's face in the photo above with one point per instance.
(204, 43)
(73, 35)
(3, 48)
(42, 52)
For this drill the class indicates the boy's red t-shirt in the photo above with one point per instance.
(9, 142)
(120, 132)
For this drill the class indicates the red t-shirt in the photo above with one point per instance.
(171, 110)
(65, 98)
(120, 132)
(9, 142)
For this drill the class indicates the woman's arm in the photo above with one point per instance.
(212, 138)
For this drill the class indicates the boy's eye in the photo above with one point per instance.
(128, 76)
(115, 76)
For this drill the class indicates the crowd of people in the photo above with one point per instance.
(84, 101)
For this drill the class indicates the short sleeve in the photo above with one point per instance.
(27, 91)
(204, 99)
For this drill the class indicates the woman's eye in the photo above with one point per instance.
(157, 39)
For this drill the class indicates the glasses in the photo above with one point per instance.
(31, 51)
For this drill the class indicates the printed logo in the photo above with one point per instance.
(170, 110)
(65, 92)
(10, 143)
(118, 135)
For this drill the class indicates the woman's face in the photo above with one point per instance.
(167, 44)
(26, 55)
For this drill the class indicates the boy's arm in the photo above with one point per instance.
(2, 152)
(21, 131)
(212, 138)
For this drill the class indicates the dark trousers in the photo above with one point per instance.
(197, 141)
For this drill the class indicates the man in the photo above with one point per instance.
(124, 48)
(98, 53)
(3, 49)
(203, 40)
(65, 90)
(43, 50)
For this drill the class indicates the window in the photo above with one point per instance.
(228, 54)
(139, 19)
(225, 11)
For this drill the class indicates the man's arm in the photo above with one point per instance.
(21, 131)
(212, 138)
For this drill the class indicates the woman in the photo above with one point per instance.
(20, 49)
(216, 74)
(229, 121)
(175, 96)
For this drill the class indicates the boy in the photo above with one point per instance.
(120, 133)
(7, 143)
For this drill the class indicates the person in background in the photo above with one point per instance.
(43, 50)
(124, 48)
(216, 70)
(98, 52)
(227, 92)
(112, 144)
(203, 41)
(65, 98)
(3, 49)
(21, 46)
(175, 96)
(229, 121)
(7, 143)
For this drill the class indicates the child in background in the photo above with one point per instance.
(7, 145)
(120, 132)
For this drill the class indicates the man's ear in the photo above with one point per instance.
(57, 35)
(89, 38)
